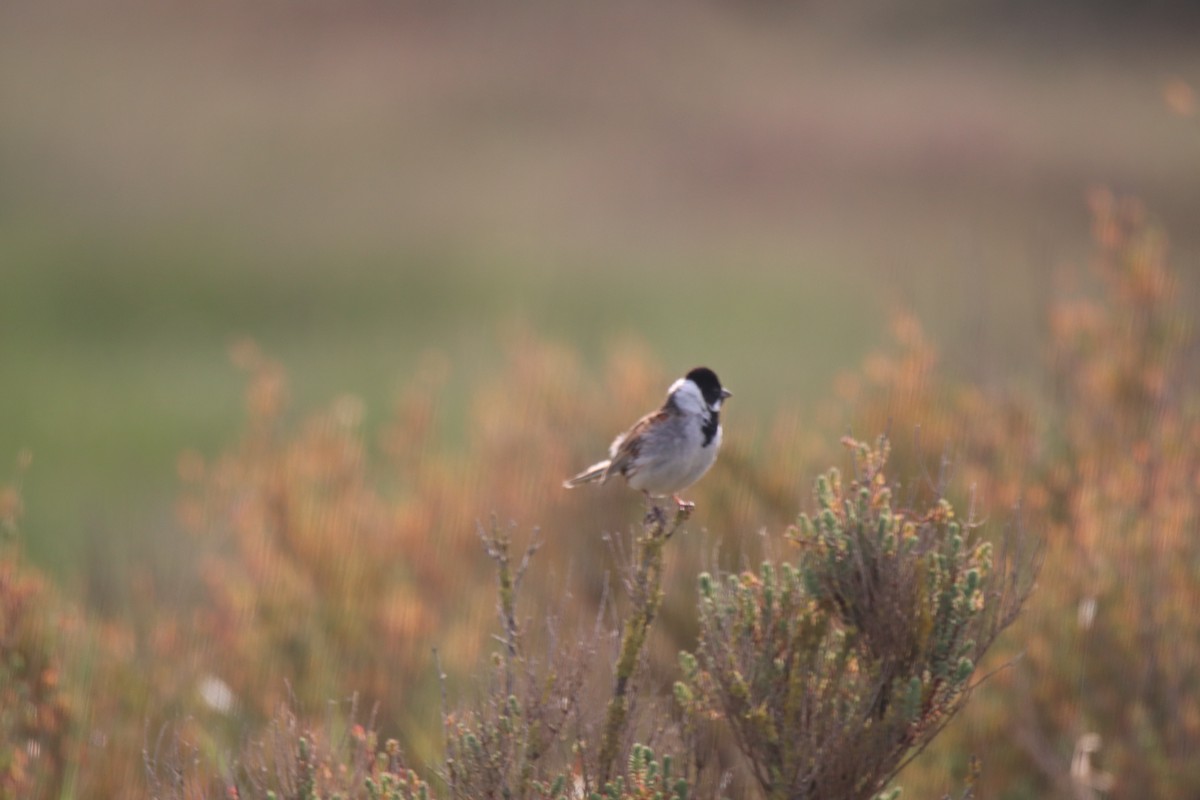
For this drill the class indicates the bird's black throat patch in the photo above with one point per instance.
(709, 428)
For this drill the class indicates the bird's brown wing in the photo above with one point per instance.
(626, 447)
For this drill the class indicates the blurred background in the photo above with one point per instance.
(749, 185)
(366, 188)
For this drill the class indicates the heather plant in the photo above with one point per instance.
(979, 449)
(539, 732)
(1107, 468)
(941, 424)
(829, 672)
(35, 710)
(291, 759)
(643, 581)
(835, 670)
(309, 570)
(74, 689)
(646, 778)
(332, 561)
(1114, 644)
(518, 741)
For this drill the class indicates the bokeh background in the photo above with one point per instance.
(387, 195)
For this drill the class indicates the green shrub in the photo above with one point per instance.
(834, 670)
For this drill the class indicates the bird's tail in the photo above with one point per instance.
(595, 472)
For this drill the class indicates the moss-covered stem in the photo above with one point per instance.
(646, 595)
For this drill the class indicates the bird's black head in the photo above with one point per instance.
(709, 385)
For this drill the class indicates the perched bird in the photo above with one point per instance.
(668, 450)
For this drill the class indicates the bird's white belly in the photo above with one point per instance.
(661, 477)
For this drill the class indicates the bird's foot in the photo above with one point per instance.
(683, 505)
(683, 511)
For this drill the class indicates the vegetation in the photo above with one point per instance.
(829, 679)
(298, 660)
(835, 670)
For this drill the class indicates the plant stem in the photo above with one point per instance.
(646, 594)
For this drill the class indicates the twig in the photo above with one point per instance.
(646, 593)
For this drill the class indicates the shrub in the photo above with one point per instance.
(332, 563)
(1114, 641)
(290, 760)
(35, 710)
(548, 727)
(830, 672)
(834, 670)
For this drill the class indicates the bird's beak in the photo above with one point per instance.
(725, 394)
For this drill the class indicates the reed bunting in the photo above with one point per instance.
(668, 450)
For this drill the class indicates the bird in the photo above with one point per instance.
(667, 450)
